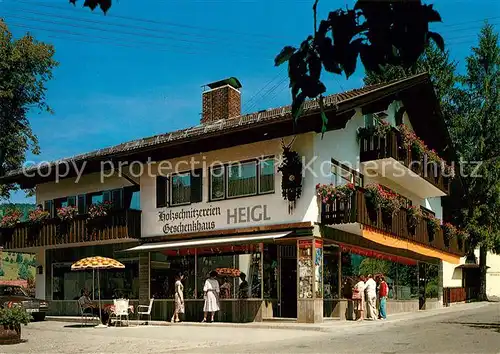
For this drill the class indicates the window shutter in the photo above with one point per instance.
(72, 201)
(116, 198)
(197, 186)
(82, 204)
(47, 206)
(106, 196)
(161, 191)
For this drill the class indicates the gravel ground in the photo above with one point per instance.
(472, 328)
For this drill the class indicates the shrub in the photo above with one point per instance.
(13, 317)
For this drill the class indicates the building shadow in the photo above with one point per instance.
(492, 326)
(80, 326)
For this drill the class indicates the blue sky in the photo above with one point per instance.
(141, 73)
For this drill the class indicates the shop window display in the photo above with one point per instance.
(305, 266)
(239, 270)
(331, 272)
(66, 284)
(164, 266)
(402, 279)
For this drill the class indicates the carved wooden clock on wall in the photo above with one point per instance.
(291, 175)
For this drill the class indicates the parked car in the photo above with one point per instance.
(12, 295)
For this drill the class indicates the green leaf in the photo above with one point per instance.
(436, 37)
(298, 106)
(324, 118)
(284, 55)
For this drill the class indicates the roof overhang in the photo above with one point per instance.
(255, 127)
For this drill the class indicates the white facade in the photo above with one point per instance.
(260, 210)
(452, 276)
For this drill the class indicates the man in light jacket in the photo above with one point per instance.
(371, 297)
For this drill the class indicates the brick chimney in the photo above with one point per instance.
(222, 100)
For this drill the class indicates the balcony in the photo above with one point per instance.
(346, 215)
(387, 156)
(118, 225)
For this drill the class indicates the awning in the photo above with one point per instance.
(468, 266)
(375, 254)
(207, 241)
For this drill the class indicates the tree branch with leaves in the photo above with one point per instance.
(379, 33)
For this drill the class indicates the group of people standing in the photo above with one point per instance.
(365, 294)
(211, 295)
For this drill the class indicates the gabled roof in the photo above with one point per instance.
(336, 103)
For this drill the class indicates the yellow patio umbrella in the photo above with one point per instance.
(97, 263)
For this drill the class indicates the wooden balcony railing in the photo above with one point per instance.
(119, 224)
(391, 146)
(357, 211)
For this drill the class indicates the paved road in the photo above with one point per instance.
(467, 329)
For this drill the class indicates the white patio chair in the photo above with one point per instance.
(86, 315)
(143, 310)
(121, 310)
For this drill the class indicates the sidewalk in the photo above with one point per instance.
(327, 326)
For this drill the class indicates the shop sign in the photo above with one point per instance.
(210, 218)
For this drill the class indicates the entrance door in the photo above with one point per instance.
(288, 301)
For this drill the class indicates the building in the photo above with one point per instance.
(462, 281)
(238, 193)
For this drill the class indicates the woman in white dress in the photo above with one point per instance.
(211, 292)
(359, 288)
(178, 297)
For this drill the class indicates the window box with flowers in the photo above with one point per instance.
(413, 217)
(98, 216)
(65, 215)
(387, 201)
(336, 200)
(36, 219)
(418, 150)
(449, 232)
(7, 224)
(433, 226)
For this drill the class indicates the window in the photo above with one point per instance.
(217, 190)
(242, 179)
(186, 188)
(266, 176)
(72, 201)
(132, 198)
(179, 189)
(341, 175)
(96, 198)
